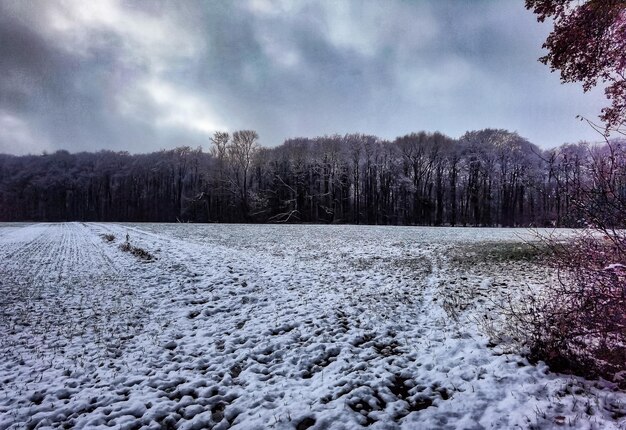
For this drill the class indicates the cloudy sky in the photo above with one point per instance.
(150, 74)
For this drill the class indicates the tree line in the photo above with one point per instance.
(485, 178)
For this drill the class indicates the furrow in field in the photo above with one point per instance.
(257, 327)
(67, 309)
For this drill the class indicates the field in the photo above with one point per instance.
(287, 327)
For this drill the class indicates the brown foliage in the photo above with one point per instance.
(588, 45)
(578, 324)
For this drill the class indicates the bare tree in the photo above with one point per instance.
(241, 153)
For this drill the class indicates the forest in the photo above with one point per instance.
(485, 178)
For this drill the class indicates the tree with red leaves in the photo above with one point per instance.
(579, 323)
(588, 45)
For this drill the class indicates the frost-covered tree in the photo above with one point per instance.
(488, 177)
(241, 152)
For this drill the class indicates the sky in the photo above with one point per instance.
(145, 75)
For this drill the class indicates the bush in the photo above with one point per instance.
(136, 251)
(577, 324)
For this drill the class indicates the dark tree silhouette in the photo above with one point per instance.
(486, 178)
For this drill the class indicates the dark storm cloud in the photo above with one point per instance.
(142, 75)
(34, 75)
(51, 98)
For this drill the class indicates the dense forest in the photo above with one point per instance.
(485, 178)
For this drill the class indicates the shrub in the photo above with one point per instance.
(135, 250)
(578, 323)
(108, 237)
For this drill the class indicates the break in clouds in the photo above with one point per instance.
(144, 75)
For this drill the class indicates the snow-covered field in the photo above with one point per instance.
(255, 327)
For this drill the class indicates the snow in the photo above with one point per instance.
(246, 327)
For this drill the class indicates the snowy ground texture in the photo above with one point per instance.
(255, 327)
